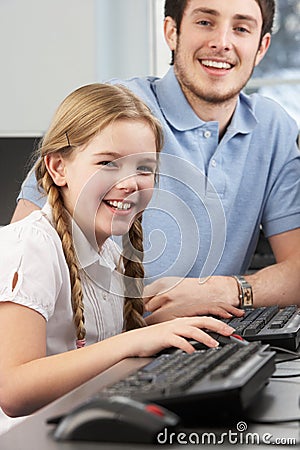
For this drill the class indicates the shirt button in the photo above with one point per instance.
(207, 134)
(213, 162)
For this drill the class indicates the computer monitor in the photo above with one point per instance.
(16, 159)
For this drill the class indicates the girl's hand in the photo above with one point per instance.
(150, 340)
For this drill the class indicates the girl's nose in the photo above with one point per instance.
(128, 184)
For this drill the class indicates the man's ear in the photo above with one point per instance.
(56, 167)
(263, 48)
(170, 31)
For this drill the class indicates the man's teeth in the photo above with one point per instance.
(119, 205)
(216, 64)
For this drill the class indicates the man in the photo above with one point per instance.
(230, 166)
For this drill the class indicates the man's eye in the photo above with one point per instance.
(242, 30)
(203, 22)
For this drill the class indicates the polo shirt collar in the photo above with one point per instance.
(174, 105)
(181, 116)
(244, 119)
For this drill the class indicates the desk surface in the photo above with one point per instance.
(278, 400)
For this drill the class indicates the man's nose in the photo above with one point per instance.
(221, 39)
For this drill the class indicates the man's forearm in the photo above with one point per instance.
(23, 209)
(277, 284)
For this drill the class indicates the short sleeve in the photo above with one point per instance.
(30, 191)
(282, 209)
(31, 249)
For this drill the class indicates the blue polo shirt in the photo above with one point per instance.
(213, 197)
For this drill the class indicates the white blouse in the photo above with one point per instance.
(32, 249)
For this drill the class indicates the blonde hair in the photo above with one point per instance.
(82, 114)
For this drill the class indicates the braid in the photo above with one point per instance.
(134, 275)
(62, 225)
(79, 118)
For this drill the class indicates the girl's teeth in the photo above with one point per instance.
(119, 205)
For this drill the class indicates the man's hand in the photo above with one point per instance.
(173, 297)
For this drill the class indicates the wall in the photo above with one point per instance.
(47, 48)
(50, 47)
(125, 34)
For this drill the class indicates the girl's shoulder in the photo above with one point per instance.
(33, 229)
(34, 219)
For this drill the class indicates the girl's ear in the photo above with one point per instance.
(56, 167)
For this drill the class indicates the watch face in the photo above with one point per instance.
(245, 291)
(247, 297)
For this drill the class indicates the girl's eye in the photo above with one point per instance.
(145, 169)
(106, 163)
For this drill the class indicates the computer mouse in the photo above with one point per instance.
(116, 419)
(231, 339)
(223, 340)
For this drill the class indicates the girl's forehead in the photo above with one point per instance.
(124, 137)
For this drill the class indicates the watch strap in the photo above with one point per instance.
(245, 292)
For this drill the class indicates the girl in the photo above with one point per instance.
(62, 308)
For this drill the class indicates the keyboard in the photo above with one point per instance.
(271, 325)
(207, 385)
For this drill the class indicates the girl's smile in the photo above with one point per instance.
(118, 205)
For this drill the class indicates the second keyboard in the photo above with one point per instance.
(270, 325)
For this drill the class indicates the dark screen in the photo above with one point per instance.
(16, 159)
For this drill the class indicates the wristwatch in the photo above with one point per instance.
(245, 292)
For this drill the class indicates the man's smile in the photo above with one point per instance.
(216, 64)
